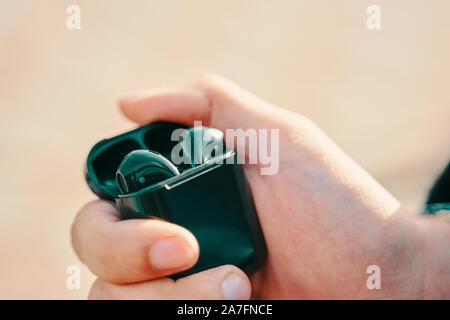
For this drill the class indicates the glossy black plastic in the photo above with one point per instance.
(143, 168)
(212, 200)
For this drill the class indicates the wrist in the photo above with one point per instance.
(435, 234)
(401, 254)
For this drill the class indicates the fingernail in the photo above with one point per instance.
(234, 287)
(171, 253)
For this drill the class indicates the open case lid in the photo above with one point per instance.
(105, 157)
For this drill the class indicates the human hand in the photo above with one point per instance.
(325, 220)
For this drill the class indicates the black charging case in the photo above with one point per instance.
(212, 200)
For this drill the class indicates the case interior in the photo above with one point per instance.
(105, 157)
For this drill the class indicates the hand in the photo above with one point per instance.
(325, 220)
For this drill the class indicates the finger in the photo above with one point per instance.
(213, 100)
(182, 105)
(225, 282)
(130, 250)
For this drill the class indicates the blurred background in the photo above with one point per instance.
(382, 95)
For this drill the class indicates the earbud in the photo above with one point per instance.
(142, 168)
(201, 144)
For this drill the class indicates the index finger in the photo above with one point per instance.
(212, 99)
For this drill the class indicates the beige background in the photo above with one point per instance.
(383, 95)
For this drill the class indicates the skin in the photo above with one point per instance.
(324, 218)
